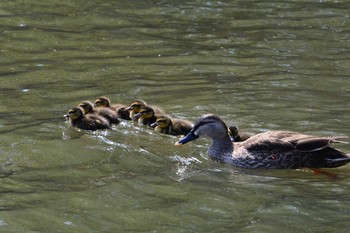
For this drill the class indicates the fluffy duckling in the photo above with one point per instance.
(104, 109)
(236, 135)
(121, 109)
(136, 107)
(146, 116)
(77, 118)
(88, 107)
(271, 149)
(167, 125)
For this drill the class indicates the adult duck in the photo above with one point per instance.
(272, 149)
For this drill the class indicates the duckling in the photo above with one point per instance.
(88, 107)
(136, 106)
(93, 122)
(236, 135)
(271, 149)
(167, 125)
(102, 106)
(146, 116)
(121, 109)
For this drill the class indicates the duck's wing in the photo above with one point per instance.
(315, 143)
(268, 141)
(291, 140)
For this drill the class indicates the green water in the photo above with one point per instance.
(261, 65)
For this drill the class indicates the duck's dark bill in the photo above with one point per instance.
(189, 137)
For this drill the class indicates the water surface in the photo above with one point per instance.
(262, 65)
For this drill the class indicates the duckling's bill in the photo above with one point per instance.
(189, 137)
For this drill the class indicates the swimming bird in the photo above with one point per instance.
(88, 107)
(102, 106)
(77, 118)
(271, 149)
(121, 109)
(236, 135)
(136, 107)
(173, 126)
(146, 116)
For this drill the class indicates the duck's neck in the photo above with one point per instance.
(220, 148)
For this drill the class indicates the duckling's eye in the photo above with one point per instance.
(161, 120)
(145, 111)
(135, 106)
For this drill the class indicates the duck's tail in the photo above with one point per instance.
(336, 140)
(340, 161)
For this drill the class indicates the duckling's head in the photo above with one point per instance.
(136, 106)
(146, 113)
(209, 126)
(233, 131)
(75, 113)
(87, 106)
(162, 121)
(102, 102)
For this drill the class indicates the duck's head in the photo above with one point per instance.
(162, 121)
(75, 113)
(146, 113)
(102, 102)
(136, 106)
(209, 126)
(87, 106)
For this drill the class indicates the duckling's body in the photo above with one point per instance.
(236, 135)
(167, 125)
(146, 116)
(272, 149)
(122, 111)
(136, 107)
(102, 105)
(77, 118)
